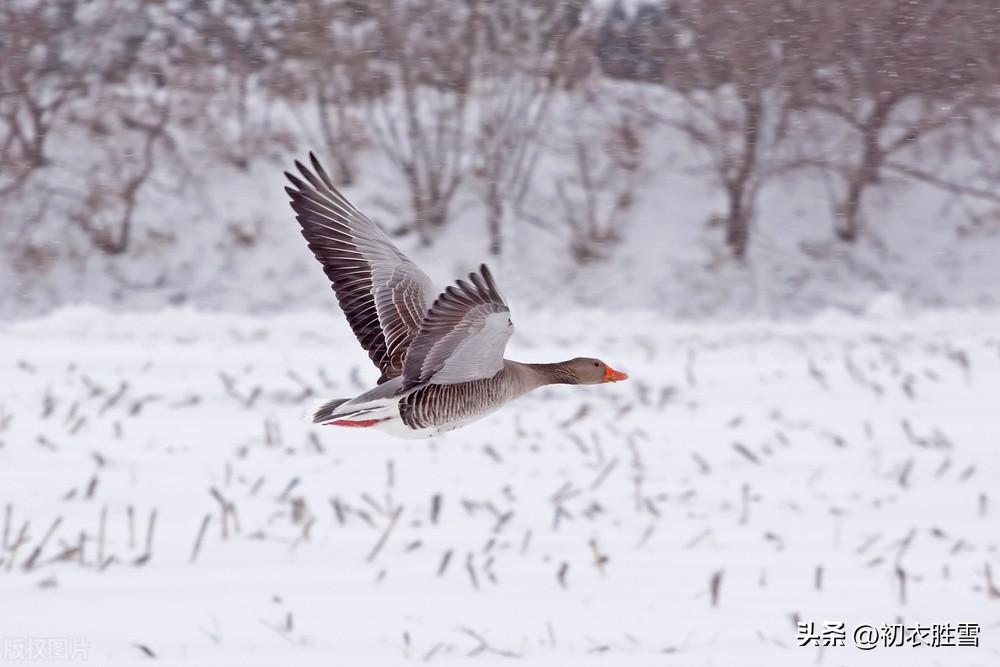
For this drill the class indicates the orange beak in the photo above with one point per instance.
(611, 375)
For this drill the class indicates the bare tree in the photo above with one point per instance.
(896, 76)
(422, 125)
(224, 61)
(106, 205)
(327, 63)
(521, 51)
(94, 77)
(38, 81)
(725, 69)
(598, 158)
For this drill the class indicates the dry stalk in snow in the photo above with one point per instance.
(385, 535)
(200, 538)
(715, 587)
(30, 562)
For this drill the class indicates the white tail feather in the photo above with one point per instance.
(323, 413)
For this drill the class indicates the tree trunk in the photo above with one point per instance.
(737, 227)
(867, 173)
(495, 218)
(850, 226)
(740, 188)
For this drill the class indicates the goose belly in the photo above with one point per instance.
(437, 408)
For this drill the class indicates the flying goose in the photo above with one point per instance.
(440, 355)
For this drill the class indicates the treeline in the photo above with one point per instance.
(899, 87)
(104, 101)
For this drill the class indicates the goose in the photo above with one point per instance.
(441, 355)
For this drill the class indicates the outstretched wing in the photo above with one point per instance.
(463, 336)
(383, 294)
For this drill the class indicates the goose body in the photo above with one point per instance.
(440, 354)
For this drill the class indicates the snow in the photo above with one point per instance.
(810, 466)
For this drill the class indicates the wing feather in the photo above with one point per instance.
(384, 295)
(463, 336)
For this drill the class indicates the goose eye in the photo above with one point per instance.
(596, 365)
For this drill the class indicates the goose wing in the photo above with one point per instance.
(384, 295)
(463, 336)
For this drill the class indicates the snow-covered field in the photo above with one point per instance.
(162, 497)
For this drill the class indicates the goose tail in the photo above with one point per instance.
(324, 412)
(352, 412)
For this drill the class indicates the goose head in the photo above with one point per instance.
(585, 370)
